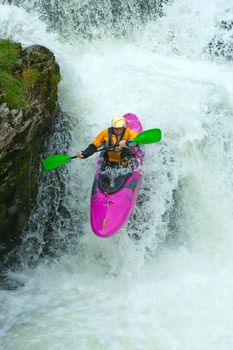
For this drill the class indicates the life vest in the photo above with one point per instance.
(117, 156)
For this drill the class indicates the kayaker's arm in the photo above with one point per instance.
(91, 149)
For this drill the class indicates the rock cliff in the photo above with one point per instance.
(28, 106)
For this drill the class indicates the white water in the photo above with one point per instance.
(173, 288)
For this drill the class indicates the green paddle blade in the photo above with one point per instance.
(54, 162)
(148, 136)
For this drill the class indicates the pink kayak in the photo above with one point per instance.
(115, 190)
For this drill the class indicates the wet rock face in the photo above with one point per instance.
(23, 130)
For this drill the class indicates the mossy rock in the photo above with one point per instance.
(28, 83)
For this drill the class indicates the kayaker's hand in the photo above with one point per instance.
(80, 154)
(123, 143)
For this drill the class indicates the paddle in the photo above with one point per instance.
(145, 137)
(148, 136)
(58, 160)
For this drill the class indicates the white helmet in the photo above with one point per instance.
(118, 122)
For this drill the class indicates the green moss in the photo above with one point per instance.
(9, 53)
(13, 88)
(31, 76)
(56, 78)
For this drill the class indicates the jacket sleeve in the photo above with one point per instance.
(100, 138)
(132, 134)
(89, 150)
(95, 144)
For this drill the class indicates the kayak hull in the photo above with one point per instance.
(109, 212)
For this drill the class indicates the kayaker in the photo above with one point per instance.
(116, 136)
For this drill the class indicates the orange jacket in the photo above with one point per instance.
(103, 137)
